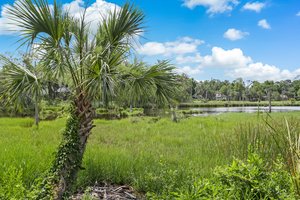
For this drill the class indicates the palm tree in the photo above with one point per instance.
(91, 61)
(19, 82)
(147, 83)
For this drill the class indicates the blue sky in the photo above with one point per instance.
(205, 39)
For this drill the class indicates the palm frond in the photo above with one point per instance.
(36, 20)
(18, 81)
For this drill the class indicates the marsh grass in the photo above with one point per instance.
(145, 153)
(287, 138)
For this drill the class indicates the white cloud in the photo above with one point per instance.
(264, 24)
(152, 48)
(179, 47)
(235, 64)
(298, 14)
(234, 34)
(7, 27)
(197, 58)
(261, 72)
(233, 58)
(94, 14)
(188, 70)
(214, 6)
(255, 6)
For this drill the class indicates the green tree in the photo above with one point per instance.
(21, 82)
(239, 88)
(88, 62)
(225, 90)
(256, 91)
(147, 83)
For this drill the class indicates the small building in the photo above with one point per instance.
(220, 97)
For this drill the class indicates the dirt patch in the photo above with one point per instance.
(109, 192)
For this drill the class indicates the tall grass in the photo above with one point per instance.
(272, 137)
(287, 139)
(25, 147)
(145, 153)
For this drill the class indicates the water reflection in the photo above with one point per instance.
(250, 109)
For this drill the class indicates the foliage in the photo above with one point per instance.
(240, 180)
(11, 184)
(144, 85)
(117, 113)
(287, 139)
(87, 195)
(152, 157)
(90, 63)
(51, 111)
(70, 143)
(21, 84)
(239, 89)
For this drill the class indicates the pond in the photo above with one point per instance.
(251, 109)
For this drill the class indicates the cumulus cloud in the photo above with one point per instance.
(7, 27)
(235, 64)
(94, 14)
(234, 34)
(298, 14)
(219, 58)
(261, 72)
(264, 24)
(213, 6)
(197, 58)
(179, 47)
(255, 6)
(188, 70)
(233, 58)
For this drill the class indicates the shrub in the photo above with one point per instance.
(254, 180)
(240, 180)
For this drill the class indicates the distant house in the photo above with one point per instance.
(63, 89)
(63, 92)
(220, 97)
(283, 97)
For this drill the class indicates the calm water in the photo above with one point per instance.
(251, 109)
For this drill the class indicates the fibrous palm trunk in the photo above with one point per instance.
(173, 113)
(70, 153)
(36, 114)
(269, 98)
(36, 110)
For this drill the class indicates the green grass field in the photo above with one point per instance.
(139, 151)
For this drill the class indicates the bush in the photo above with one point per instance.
(254, 180)
(118, 113)
(240, 180)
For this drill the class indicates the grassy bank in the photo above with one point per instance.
(143, 152)
(236, 103)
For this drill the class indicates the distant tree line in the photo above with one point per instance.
(187, 89)
(237, 90)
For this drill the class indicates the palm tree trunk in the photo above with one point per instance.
(173, 113)
(270, 104)
(36, 111)
(131, 107)
(70, 152)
